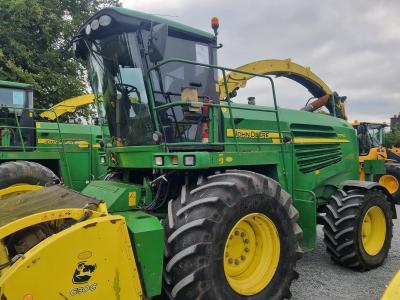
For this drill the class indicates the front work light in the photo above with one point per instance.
(88, 29)
(156, 137)
(105, 20)
(174, 160)
(189, 160)
(158, 160)
(95, 24)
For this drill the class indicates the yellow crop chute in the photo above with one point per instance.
(284, 68)
(67, 106)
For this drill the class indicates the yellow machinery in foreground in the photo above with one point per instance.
(393, 290)
(86, 248)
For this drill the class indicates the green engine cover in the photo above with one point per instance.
(118, 196)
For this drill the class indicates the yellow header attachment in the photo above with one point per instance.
(66, 106)
(285, 68)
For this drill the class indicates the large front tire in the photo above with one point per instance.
(235, 236)
(358, 228)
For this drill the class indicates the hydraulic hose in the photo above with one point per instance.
(11, 261)
(316, 104)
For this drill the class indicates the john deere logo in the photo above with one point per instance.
(83, 272)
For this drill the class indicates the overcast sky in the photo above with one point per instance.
(354, 46)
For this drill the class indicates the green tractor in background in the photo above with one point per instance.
(36, 153)
(220, 199)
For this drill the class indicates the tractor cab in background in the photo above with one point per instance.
(14, 94)
(370, 136)
(372, 149)
(73, 152)
(16, 104)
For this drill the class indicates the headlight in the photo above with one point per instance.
(88, 30)
(158, 160)
(156, 137)
(189, 160)
(105, 20)
(95, 24)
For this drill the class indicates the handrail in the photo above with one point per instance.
(14, 111)
(223, 69)
(19, 132)
(180, 103)
(155, 108)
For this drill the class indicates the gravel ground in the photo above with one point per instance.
(321, 279)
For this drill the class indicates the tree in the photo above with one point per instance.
(392, 138)
(35, 45)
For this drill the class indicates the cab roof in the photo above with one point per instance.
(18, 85)
(125, 16)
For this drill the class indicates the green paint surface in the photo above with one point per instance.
(147, 238)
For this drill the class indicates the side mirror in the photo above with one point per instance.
(158, 42)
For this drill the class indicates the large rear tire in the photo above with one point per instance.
(391, 181)
(21, 176)
(235, 236)
(358, 228)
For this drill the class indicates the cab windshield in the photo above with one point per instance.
(118, 64)
(376, 134)
(13, 97)
(13, 101)
(117, 80)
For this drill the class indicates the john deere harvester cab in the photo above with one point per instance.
(219, 198)
(120, 63)
(371, 146)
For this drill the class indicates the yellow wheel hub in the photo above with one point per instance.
(390, 183)
(17, 189)
(251, 254)
(373, 230)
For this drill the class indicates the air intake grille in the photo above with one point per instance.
(315, 157)
(313, 154)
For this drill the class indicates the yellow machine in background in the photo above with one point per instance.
(370, 140)
(80, 250)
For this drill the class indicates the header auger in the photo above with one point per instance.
(219, 199)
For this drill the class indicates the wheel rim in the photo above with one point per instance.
(373, 230)
(251, 254)
(17, 189)
(390, 183)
